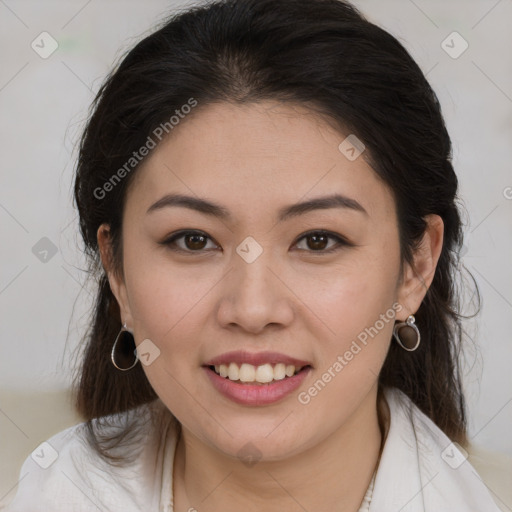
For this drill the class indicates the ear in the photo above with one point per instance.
(117, 284)
(416, 281)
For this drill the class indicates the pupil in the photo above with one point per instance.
(195, 245)
(316, 244)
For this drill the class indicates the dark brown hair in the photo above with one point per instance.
(320, 53)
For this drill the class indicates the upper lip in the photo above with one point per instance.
(256, 359)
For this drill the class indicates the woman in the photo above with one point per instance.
(266, 193)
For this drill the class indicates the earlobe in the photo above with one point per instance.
(117, 285)
(417, 280)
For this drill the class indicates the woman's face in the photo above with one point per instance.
(257, 280)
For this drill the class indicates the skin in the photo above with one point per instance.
(253, 160)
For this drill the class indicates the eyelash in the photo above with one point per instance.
(341, 242)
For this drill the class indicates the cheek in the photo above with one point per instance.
(353, 307)
(351, 294)
(169, 308)
(358, 311)
(165, 302)
(161, 291)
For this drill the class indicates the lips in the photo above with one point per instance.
(255, 394)
(240, 357)
(257, 378)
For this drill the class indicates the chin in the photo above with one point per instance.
(263, 445)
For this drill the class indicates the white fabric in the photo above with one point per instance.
(412, 475)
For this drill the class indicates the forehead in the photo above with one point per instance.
(256, 155)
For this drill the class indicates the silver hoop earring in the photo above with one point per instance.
(410, 338)
(127, 343)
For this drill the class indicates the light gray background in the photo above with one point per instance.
(44, 102)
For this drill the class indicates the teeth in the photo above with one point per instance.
(247, 373)
(233, 371)
(250, 373)
(264, 373)
(289, 370)
(279, 371)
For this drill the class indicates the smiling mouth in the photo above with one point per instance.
(263, 374)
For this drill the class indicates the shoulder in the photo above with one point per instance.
(438, 452)
(65, 473)
(49, 476)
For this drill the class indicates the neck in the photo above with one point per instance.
(333, 475)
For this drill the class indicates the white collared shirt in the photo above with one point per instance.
(420, 470)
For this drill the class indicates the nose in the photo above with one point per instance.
(254, 295)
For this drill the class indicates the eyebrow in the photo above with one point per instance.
(285, 213)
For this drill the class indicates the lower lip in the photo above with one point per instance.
(256, 394)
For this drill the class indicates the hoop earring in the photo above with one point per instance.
(127, 340)
(411, 338)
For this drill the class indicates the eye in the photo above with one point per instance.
(196, 241)
(319, 240)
